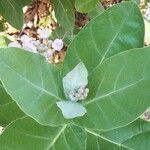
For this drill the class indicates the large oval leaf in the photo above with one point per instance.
(33, 84)
(117, 29)
(119, 90)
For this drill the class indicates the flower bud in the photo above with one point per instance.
(43, 33)
(79, 94)
(57, 44)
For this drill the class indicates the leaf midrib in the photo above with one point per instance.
(57, 136)
(30, 83)
(116, 91)
(113, 39)
(98, 135)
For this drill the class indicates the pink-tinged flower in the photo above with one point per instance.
(57, 44)
(43, 33)
(14, 44)
(25, 39)
(29, 47)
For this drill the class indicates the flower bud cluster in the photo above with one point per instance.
(79, 94)
(42, 46)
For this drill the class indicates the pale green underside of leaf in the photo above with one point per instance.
(27, 134)
(12, 11)
(76, 78)
(71, 109)
(85, 6)
(64, 12)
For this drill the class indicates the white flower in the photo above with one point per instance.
(57, 44)
(25, 39)
(14, 44)
(29, 47)
(43, 33)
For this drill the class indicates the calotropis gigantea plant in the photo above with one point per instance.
(111, 48)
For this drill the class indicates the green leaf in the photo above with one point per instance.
(33, 84)
(134, 136)
(97, 11)
(37, 86)
(97, 142)
(116, 88)
(64, 12)
(85, 6)
(33, 136)
(119, 90)
(9, 110)
(118, 29)
(11, 10)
